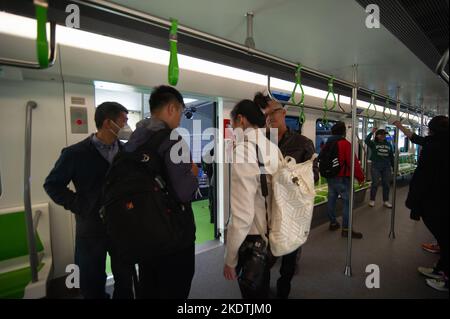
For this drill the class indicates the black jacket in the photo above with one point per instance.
(299, 147)
(83, 165)
(429, 187)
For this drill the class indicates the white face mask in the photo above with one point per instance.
(124, 132)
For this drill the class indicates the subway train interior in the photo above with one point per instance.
(365, 63)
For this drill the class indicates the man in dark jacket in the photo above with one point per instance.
(428, 193)
(301, 149)
(85, 165)
(169, 276)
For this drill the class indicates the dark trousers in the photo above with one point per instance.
(167, 277)
(90, 256)
(338, 186)
(287, 272)
(438, 226)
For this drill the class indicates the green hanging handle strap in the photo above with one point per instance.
(173, 64)
(300, 104)
(41, 42)
(372, 103)
(325, 102)
(386, 106)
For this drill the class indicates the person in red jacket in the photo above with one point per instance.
(340, 184)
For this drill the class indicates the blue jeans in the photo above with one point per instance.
(90, 256)
(338, 186)
(380, 170)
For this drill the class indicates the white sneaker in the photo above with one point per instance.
(372, 203)
(388, 205)
(437, 284)
(430, 273)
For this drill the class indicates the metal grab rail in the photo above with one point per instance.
(146, 18)
(348, 262)
(396, 160)
(440, 68)
(31, 238)
(269, 92)
(36, 218)
(34, 65)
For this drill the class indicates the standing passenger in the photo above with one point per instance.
(169, 276)
(247, 232)
(428, 193)
(301, 149)
(382, 157)
(340, 184)
(85, 164)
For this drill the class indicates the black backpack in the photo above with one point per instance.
(329, 160)
(142, 217)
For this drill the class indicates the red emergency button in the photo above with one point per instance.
(79, 122)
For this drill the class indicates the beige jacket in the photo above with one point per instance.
(247, 202)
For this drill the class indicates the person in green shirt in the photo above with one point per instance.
(382, 157)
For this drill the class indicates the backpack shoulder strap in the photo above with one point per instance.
(155, 140)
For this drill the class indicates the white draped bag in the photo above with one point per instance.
(292, 205)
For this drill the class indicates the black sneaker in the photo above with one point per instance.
(334, 226)
(355, 234)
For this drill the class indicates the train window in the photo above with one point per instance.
(293, 123)
(323, 132)
(370, 125)
(391, 133)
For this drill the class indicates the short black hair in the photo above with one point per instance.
(108, 110)
(439, 125)
(338, 129)
(163, 95)
(251, 111)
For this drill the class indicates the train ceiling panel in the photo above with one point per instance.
(326, 35)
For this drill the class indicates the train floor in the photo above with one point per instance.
(322, 264)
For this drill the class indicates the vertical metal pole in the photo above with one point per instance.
(348, 266)
(419, 148)
(365, 153)
(27, 195)
(421, 122)
(249, 41)
(142, 106)
(394, 188)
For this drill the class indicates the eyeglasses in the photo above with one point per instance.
(273, 112)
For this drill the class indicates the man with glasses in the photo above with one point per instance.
(301, 149)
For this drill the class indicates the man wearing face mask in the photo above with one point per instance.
(85, 165)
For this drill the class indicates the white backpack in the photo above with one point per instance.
(292, 205)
